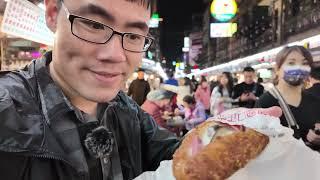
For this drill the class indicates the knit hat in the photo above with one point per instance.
(157, 95)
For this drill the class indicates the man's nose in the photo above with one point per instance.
(112, 51)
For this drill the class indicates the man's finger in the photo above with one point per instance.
(311, 136)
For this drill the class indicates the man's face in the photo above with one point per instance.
(140, 75)
(95, 72)
(249, 77)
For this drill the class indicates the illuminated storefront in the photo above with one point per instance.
(24, 35)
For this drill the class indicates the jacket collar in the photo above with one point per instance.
(51, 96)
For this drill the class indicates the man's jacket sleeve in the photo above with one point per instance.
(11, 164)
(158, 144)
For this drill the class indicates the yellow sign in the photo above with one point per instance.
(223, 10)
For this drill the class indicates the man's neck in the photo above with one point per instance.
(83, 104)
(249, 83)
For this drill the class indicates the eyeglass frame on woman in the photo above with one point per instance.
(72, 17)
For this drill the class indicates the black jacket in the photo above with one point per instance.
(255, 88)
(39, 137)
(314, 91)
(305, 114)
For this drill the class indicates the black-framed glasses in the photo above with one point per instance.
(98, 33)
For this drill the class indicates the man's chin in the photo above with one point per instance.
(102, 97)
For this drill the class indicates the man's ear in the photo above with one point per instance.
(52, 12)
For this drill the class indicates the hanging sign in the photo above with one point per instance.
(26, 20)
(222, 29)
(223, 10)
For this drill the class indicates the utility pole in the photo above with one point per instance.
(280, 24)
(2, 53)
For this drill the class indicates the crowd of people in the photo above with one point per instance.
(194, 101)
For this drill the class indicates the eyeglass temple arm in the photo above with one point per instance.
(65, 9)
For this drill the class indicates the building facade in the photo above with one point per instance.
(262, 25)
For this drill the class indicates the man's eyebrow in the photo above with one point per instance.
(95, 10)
(292, 59)
(140, 25)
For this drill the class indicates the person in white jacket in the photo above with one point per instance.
(184, 89)
(221, 95)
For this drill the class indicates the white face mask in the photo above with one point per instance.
(295, 75)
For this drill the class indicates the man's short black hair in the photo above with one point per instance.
(315, 73)
(248, 69)
(146, 3)
(170, 74)
(140, 70)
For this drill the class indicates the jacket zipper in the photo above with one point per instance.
(82, 175)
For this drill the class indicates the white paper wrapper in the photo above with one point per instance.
(285, 158)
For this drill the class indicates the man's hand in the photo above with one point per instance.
(312, 137)
(244, 97)
(252, 97)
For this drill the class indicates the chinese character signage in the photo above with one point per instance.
(26, 20)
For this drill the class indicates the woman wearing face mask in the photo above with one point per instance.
(203, 94)
(293, 65)
(221, 95)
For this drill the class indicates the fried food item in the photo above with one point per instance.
(214, 151)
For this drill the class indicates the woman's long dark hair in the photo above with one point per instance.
(229, 85)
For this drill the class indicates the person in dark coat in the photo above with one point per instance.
(315, 81)
(171, 80)
(139, 88)
(248, 92)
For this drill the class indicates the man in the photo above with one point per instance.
(171, 80)
(313, 136)
(139, 88)
(248, 91)
(64, 116)
(315, 82)
(194, 83)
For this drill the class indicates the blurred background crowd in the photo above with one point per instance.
(180, 104)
